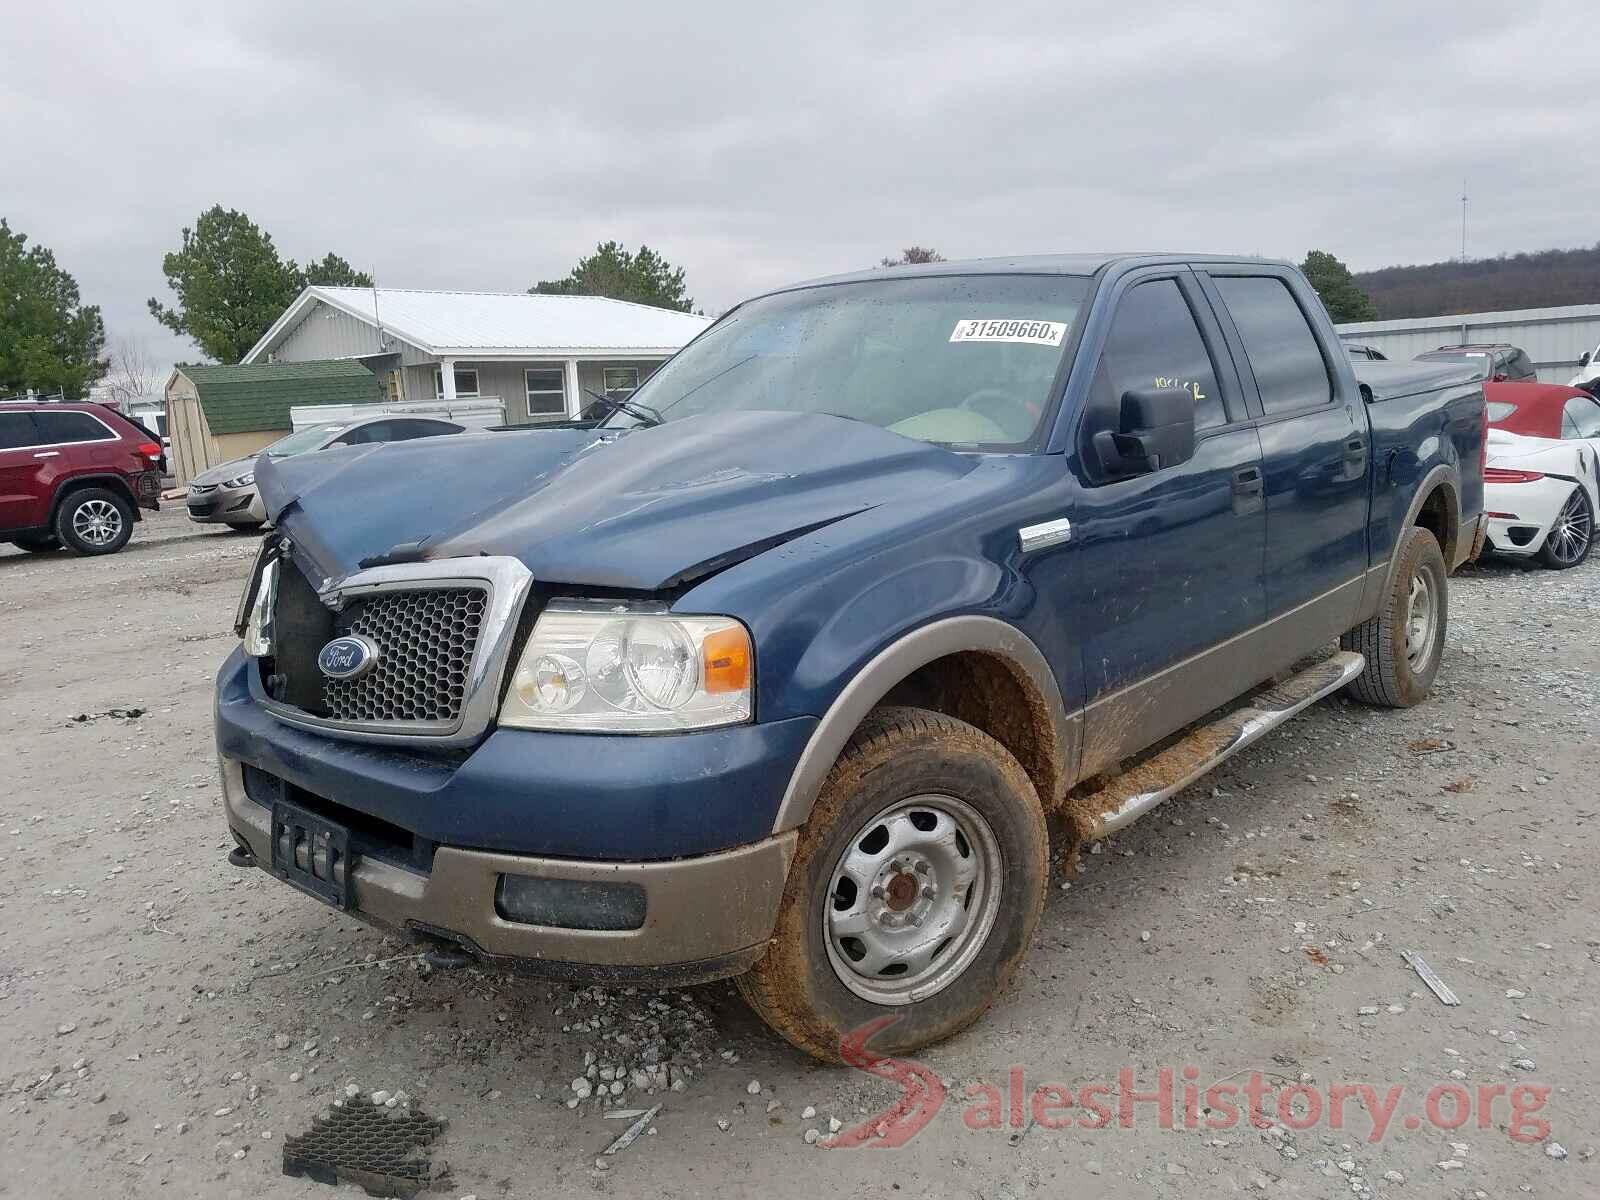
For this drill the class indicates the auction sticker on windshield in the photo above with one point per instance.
(1004, 329)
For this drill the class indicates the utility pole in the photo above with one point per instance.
(1463, 220)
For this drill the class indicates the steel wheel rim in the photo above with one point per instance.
(1569, 537)
(1422, 620)
(97, 522)
(911, 899)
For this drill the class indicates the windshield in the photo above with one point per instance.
(964, 359)
(301, 440)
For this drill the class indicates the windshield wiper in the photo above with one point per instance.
(642, 413)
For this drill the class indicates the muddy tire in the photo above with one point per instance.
(914, 892)
(94, 521)
(1405, 641)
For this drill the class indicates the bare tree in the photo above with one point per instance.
(912, 255)
(131, 375)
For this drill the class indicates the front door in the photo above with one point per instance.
(1167, 572)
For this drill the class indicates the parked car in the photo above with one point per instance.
(226, 494)
(1588, 376)
(777, 673)
(74, 475)
(1501, 362)
(1371, 353)
(1542, 478)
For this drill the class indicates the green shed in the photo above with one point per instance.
(215, 414)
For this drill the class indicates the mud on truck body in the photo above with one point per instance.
(780, 671)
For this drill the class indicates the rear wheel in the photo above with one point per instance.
(1571, 537)
(42, 544)
(94, 521)
(915, 889)
(1405, 641)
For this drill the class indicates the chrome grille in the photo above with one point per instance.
(426, 640)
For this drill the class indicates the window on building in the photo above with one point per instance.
(466, 382)
(58, 427)
(1289, 369)
(619, 382)
(547, 391)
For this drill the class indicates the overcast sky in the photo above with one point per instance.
(486, 146)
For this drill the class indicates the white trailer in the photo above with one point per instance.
(478, 412)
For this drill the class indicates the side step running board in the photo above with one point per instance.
(1136, 791)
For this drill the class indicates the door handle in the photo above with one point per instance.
(48, 454)
(1249, 491)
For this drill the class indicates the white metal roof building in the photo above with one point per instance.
(538, 355)
(1554, 338)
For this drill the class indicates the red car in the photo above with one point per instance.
(74, 475)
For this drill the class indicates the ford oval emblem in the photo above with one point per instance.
(348, 657)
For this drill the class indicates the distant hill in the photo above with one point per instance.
(1541, 280)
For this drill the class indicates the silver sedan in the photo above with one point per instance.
(226, 494)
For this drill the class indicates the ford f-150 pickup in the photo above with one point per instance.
(779, 671)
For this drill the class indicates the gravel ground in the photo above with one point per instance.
(168, 1019)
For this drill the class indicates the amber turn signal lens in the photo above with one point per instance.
(726, 656)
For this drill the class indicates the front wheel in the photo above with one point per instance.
(915, 889)
(1572, 536)
(94, 521)
(1405, 641)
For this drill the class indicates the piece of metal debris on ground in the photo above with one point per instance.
(1427, 975)
(631, 1134)
(382, 1150)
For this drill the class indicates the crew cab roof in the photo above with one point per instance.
(1031, 264)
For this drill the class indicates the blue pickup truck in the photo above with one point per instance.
(779, 671)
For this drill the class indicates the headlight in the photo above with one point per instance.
(619, 668)
(244, 480)
(258, 622)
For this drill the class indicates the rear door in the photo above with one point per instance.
(1314, 448)
(24, 499)
(1167, 567)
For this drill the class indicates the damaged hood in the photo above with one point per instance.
(641, 510)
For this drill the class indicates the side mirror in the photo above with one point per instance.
(1156, 431)
(1499, 377)
(1583, 359)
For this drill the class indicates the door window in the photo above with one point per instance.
(16, 431)
(404, 429)
(1580, 418)
(1155, 343)
(59, 427)
(1289, 368)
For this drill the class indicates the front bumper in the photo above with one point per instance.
(226, 506)
(705, 918)
(686, 817)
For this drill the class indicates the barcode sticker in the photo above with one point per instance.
(1005, 329)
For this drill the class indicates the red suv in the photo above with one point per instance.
(74, 475)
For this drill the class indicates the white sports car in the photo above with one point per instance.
(1542, 474)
